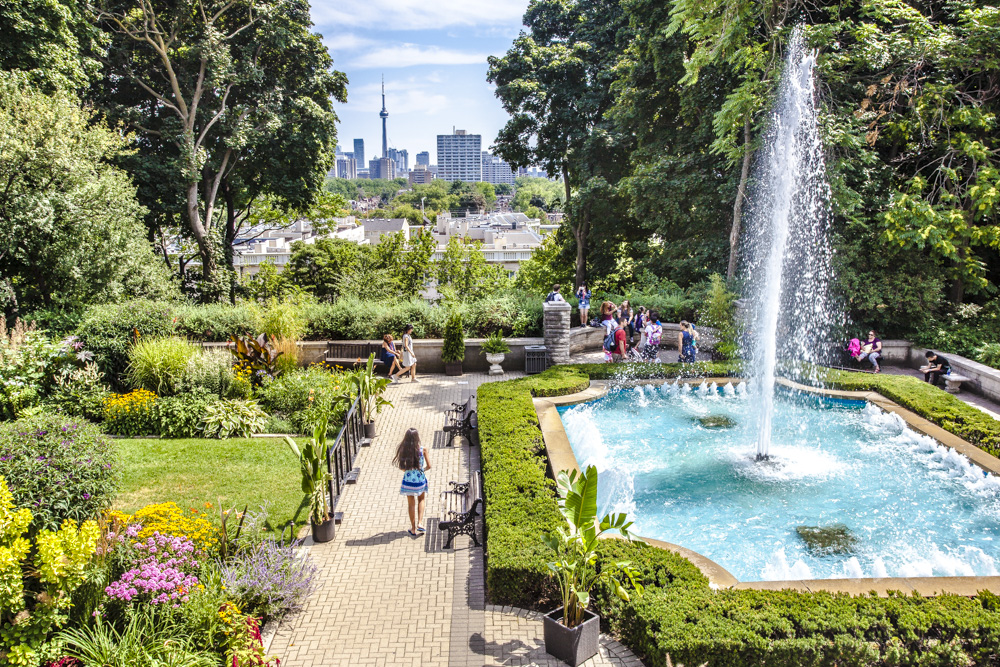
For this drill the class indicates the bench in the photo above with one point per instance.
(953, 382)
(460, 505)
(353, 354)
(461, 420)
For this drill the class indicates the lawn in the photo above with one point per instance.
(232, 473)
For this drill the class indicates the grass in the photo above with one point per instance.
(231, 473)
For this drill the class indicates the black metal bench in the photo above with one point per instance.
(461, 419)
(460, 505)
(353, 354)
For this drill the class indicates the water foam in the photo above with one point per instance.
(778, 568)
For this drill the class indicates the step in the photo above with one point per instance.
(352, 477)
(366, 442)
(338, 518)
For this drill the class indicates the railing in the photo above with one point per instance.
(340, 456)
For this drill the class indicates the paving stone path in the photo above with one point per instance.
(386, 598)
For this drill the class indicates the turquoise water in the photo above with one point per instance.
(914, 507)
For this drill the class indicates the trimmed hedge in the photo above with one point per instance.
(680, 615)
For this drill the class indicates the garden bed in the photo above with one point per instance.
(680, 615)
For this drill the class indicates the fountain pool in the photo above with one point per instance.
(897, 503)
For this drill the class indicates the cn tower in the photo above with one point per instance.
(383, 115)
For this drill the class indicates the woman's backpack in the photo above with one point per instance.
(609, 341)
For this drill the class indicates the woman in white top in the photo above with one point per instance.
(409, 359)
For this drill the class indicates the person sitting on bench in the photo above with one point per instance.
(935, 368)
(872, 349)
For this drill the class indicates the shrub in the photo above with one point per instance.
(108, 330)
(270, 580)
(29, 360)
(37, 581)
(169, 519)
(59, 468)
(217, 322)
(229, 418)
(288, 359)
(162, 571)
(158, 364)
(453, 347)
(280, 424)
(294, 395)
(679, 615)
(80, 393)
(130, 414)
(719, 312)
(210, 370)
(988, 354)
(181, 416)
(281, 319)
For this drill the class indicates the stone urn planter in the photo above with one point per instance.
(573, 646)
(495, 359)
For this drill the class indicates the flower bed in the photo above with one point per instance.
(680, 615)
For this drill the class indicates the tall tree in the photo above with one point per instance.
(230, 99)
(556, 83)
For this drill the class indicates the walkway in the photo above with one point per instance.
(976, 401)
(388, 599)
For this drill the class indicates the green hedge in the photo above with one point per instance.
(680, 615)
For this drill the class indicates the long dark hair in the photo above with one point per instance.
(408, 453)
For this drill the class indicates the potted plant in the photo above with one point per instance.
(316, 480)
(453, 349)
(572, 631)
(495, 348)
(369, 387)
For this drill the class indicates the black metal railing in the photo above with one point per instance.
(340, 456)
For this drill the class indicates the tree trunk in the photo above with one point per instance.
(581, 231)
(230, 238)
(741, 190)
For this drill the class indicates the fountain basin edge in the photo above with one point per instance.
(560, 456)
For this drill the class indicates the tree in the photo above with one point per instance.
(71, 229)
(230, 99)
(54, 42)
(463, 270)
(319, 267)
(556, 83)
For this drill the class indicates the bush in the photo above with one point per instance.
(217, 322)
(293, 395)
(29, 360)
(130, 414)
(989, 354)
(453, 348)
(230, 418)
(181, 416)
(679, 615)
(210, 371)
(281, 319)
(169, 519)
(158, 364)
(270, 580)
(80, 393)
(58, 468)
(108, 330)
(719, 312)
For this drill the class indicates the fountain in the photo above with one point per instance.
(787, 263)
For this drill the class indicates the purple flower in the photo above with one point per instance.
(86, 496)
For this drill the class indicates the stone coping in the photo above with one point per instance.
(561, 457)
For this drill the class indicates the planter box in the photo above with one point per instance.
(453, 368)
(573, 646)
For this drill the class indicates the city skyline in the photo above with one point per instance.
(433, 58)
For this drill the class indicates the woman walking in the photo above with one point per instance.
(411, 458)
(409, 359)
(390, 355)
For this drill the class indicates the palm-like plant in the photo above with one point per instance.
(576, 547)
(369, 387)
(315, 474)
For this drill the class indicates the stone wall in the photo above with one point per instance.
(556, 326)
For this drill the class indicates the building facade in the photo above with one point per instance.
(359, 152)
(421, 175)
(496, 171)
(459, 156)
(402, 160)
(424, 158)
(383, 167)
(347, 167)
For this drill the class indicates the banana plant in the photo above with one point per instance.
(576, 546)
(315, 475)
(369, 387)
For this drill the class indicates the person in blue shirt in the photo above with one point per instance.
(583, 294)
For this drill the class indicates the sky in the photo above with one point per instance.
(433, 56)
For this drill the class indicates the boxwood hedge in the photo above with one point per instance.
(680, 615)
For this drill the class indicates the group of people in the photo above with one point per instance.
(400, 361)
(871, 349)
(630, 334)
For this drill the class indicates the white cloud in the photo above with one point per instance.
(346, 42)
(416, 14)
(403, 97)
(407, 55)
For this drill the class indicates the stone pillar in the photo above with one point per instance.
(555, 322)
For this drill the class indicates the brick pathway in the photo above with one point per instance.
(388, 599)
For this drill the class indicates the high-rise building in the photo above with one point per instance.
(402, 160)
(459, 156)
(384, 115)
(359, 151)
(496, 171)
(424, 158)
(347, 167)
(420, 174)
(383, 167)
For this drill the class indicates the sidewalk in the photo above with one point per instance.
(386, 598)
